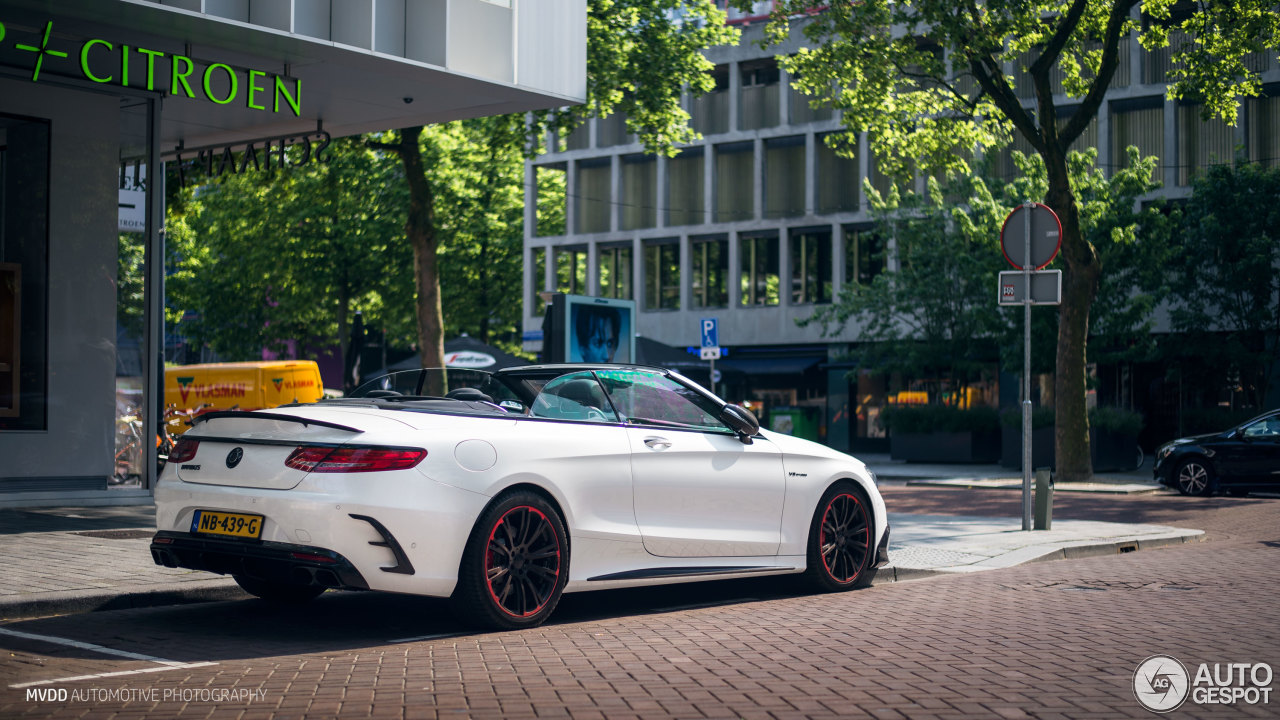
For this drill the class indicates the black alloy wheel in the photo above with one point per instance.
(841, 540)
(515, 565)
(1194, 477)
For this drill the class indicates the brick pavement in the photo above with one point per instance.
(1044, 640)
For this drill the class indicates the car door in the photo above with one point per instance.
(698, 490)
(1257, 452)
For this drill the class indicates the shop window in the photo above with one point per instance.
(685, 199)
(760, 282)
(639, 192)
(709, 261)
(734, 190)
(864, 255)
(710, 111)
(759, 93)
(1201, 143)
(594, 195)
(810, 266)
(613, 266)
(839, 186)
(1138, 124)
(784, 177)
(550, 202)
(24, 273)
(662, 275)
(571, 270)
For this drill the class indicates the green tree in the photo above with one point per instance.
(641, 56)
(1226, 298)
(926, 80)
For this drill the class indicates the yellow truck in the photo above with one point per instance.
(192, 390)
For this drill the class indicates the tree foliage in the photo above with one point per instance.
(1225, 277)
(927, 81)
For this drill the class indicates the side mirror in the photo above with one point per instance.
(741, 421)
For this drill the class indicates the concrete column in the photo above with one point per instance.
(1169, 159)
(810, 173)
(864, 168)
(663, 191)
(784, 98)
(686, 273)
(615, 192)
(757, 178)
(571, 198)
(837, 260)
(593, 269)
(1104, 136)
(708, 183)
(735, 94)
(637, 272)
(734, 279)
(784, 267)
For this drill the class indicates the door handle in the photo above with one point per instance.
(657, 443)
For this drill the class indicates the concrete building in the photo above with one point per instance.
(759, 223)
(95, 93)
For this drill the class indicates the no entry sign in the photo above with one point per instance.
(1046, 236)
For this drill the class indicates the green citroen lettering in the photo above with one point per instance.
(151, 66)
(180, 76)
(294, 101)
(254, 88)
(1, 31)
(124, 65)
(84, 60)
(208, 92)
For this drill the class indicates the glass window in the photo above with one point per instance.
(594, 196)
(578, 138)
(662, 275)
(24, 273)
(1262, 127)
(784, 177)
(639, 191)
(760, 282)
(571, 270)
(839, 187)
(710, 112)
(576, 396)
(612, 131)
(685, 196)
(710, 268)
(1201, 143)
(803, 112)
(811, 266)
(644, 398)
(759, 107)
(549, 221)
(864, 255)
(614, 270)
(1141, 126)
(538, 280)
(734, 194)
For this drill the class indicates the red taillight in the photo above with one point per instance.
(184, 450)
(353, 460)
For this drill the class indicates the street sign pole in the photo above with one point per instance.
(1026, 376)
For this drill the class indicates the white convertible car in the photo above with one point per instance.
(504, 490)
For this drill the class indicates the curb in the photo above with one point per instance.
(30, 606)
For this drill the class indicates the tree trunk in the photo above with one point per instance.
(1079, 287)
(420, 228)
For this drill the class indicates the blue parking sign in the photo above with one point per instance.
(710, 332)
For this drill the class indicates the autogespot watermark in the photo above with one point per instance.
(1162, 684)
(143, 695)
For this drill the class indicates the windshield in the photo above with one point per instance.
(455, 383)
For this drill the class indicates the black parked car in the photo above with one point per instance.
(1244, 458)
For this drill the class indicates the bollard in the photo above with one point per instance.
(1044, 499)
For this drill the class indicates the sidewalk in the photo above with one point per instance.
(67, 560)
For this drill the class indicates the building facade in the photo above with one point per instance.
(760, 223)
(94, 94)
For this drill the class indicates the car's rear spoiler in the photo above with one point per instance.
(271, 416)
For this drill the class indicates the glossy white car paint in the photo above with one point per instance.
(631, 498)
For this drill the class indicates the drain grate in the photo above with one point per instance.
(118, 534)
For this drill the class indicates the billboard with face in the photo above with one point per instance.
(599, 330)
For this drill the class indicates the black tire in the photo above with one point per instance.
(515, 565)
(283, 593)
(1194, 477)
(841, 540)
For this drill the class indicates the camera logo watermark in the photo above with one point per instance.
(1161, 683)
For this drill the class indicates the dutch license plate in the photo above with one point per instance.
(209, 522)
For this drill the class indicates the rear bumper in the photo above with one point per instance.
(271, 561)
(882, 550)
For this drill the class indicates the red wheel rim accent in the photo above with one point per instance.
(522, 562)
(844, 538)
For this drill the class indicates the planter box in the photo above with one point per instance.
(1110, 451)
(1011, 447)
(945, 447)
